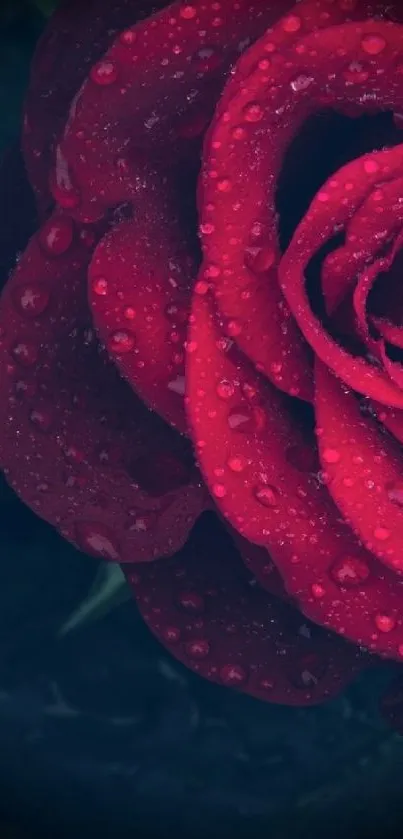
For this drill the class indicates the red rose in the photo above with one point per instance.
(243, 355)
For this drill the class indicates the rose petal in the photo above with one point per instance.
(76, 36)
(139, 285)
(243, 157)
(263, 483)
(362, 466)
(248, 146)
(211, 615)
(373, 215)
(158, 84)
(76, 444)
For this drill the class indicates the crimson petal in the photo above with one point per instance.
(139, 287)
(210, 614)
(363, 469)
(270, 95)
(76, 444)
(157, 84)
(263, 484)
(76, 36)
(246, 156)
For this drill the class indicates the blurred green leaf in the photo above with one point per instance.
(109, 589)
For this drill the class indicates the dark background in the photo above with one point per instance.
(102, 733)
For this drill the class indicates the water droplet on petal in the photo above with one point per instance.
(331, 455)
(291, 23)
(318, 590)
(237, 463)
(381, 534)
(259, 259)
(128, 37)
(199, 648)
(241, 418)
(373, 44)
(171, 634)
(253, 112)
(385, 623)
(266, 495)
(25, 353)
(301, 83)
(56, 236)
(121, 341)
(187, 12)
(225, 389)
(219, 490)
(32, 299)
(349, 571)
(233, 675)
(104, 73)
(97, 540)
(100, 286)
(191, 601)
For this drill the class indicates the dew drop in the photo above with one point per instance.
(121, 341)
(237, 463)
(97, 540)
(373, 44)
(198, 648)
(219, 490)
(259, 259)
(331, 456)
(224, 185)
(349, 571)
(385, 623)
(253, 112)
(100, 286)
(25, 353)
(187, 12)
(266, 495)
(56, 236)
(177, 385)
(241, 419)
(225, 389)
(301, 83)
(233, 675)
(381, 534)
(104, 73)
(171, 634)
(128, 37)
(191, 601)
(32, 299)
(291, 23)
